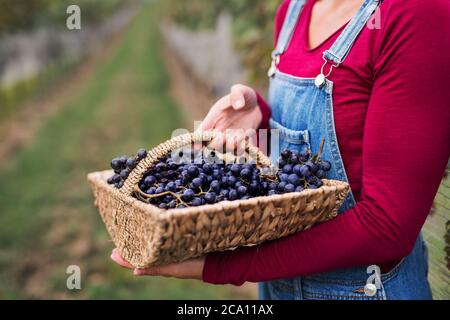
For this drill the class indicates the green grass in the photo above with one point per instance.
(434, 234)
(47, 217)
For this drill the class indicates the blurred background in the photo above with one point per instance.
(70, 100)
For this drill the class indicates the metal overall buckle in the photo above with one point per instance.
(273, 65)
(319, 81)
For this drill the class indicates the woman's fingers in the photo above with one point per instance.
(189, 269)
(211, 118)
(147, 272)
(117, 258)
(242, 96)
(237, 97)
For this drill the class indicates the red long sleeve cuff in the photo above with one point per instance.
(265, 110)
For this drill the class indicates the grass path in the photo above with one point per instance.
(47, 219)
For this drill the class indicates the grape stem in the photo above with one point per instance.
(275, 179)
(320, 150)
(151, 196)
(201, 192)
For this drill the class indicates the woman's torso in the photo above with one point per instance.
(304, 110)
(351, 90)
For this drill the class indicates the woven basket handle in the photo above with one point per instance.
(175, 143)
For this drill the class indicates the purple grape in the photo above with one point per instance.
(224, 182)
(232, 195)
(119, 184)
(210, 197)
(235, 169)
(172, 204)
(151, 190)
(294, 179)
(160, 190)
(193, 171)
(171, 186)
(122, 161)
(289, 188)
(116, 178)
(281, 186)
(162, 205)
(286, 154)
(141, 154)
(313, 167)
(294, 159)
(297, 170)
(116, 164)
(149, 180)
(197, 182)
(224, 192)
(238, 184)
(320, 174)
(207, 168)
(131, 163)
(273, 186)
(196, 202)
(287, 168)
(124, 173)
(231, 181)
(188, 195)
(305, 171)
(245, 173)
(215, 186)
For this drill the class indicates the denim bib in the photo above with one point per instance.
(302, 111)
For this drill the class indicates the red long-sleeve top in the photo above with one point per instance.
(392, 118)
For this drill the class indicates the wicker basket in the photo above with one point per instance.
(146, 235)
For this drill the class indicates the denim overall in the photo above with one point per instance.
(302, 111)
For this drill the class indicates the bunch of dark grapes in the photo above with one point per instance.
(122, 167)
(168, 184)
(299, 171)
(172, 184)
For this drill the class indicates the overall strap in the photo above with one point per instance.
(340, 49)
(288, 28)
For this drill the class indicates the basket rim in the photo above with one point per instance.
(97, 177)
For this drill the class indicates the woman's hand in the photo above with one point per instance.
(236, 110)
(189, 269)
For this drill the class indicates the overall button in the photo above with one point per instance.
(320, 80)
(370, 289)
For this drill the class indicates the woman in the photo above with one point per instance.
(376, 89)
